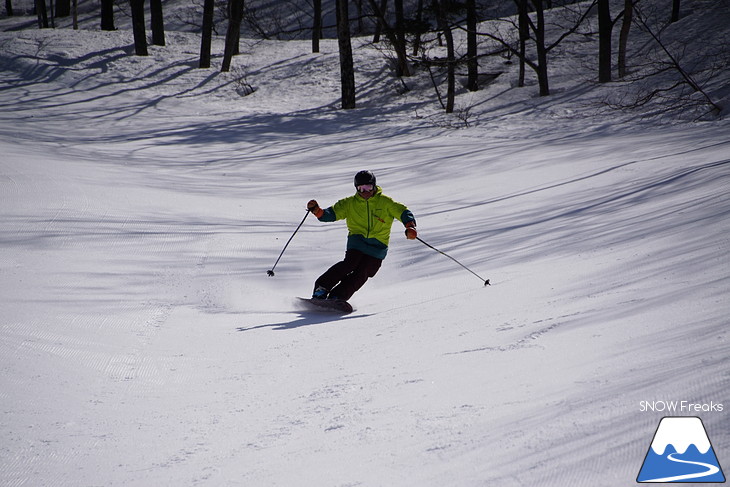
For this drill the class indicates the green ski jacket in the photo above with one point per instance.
(369, 221)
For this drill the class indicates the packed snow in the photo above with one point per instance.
(142, 201)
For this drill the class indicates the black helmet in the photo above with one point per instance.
(364, 177)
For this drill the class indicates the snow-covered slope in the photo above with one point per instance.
(142, 343)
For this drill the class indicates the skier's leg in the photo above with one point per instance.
(367, 268)
(337, 272)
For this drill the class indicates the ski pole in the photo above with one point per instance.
(270, 272)
(486, 281)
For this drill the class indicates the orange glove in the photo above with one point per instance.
(313, 206)
(411, 232)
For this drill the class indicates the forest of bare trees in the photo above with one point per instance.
(444, 38)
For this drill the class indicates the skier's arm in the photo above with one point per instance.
(326, 215)
(407, 217)
(410, 223)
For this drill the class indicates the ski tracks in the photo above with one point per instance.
(87, 289)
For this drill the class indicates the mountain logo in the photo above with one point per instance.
(681, 452)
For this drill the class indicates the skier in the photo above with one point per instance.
(369, 214)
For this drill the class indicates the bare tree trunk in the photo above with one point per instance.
(605, 26)
(207, 34)
(360, 16)
(419, 17)
(524, 30)
(450, 56)
(317, 25)
(542, 65)
(347, 69)
(675, 10)
(624, 37)
(107, 15)
(472, 62)
(398, 41)
(380, 11)
(63, 8)
(9, 7)
(157, 24)
(233, 34)
(42, 12)
(138, 28)
(400, 35)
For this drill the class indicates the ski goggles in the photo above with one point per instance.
(365, 188)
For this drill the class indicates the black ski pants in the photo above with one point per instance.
(349, 275)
